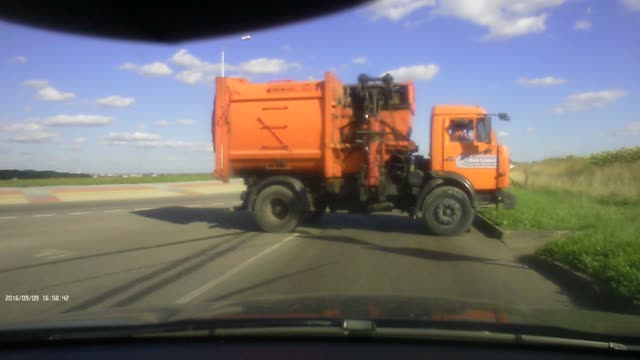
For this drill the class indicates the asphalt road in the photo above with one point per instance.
(96, 255)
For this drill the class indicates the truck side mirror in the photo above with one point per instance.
(504, 116)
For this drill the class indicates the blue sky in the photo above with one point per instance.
(565, 70)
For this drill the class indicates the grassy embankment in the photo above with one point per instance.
(105, 180)
(596, 198)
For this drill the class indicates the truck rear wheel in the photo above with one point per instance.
(447, 211)
(277, 209)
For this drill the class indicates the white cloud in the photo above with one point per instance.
(633, 5)
(120, 138)
(415, 72)
(76, 143)
(128, 66)
(19, 127)
(116, 101)
(630, 129)
(152, 141)
(46, 92)
(543, 81)
(184, 122)
(19, 59)
(267, 66)
(503, 134)
(185, 59)
(502, 18)
(33, 137)
(181, 122)
(171, 144)
(36, 84)
(197, 70)
(395, 10)
(77, 120)
(154, 69)
(589, 100)
(192, 77)
(359, 60)
(582, 25)
(27, 132)
(53, 94)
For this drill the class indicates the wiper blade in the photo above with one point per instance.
(454, 331)
(187, 327)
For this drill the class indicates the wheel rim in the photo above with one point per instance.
(279, 208)
(448, 212)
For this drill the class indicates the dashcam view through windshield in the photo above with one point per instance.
(445, 161)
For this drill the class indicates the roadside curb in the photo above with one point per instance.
(61, 194)
(582, 284)
(487, 228)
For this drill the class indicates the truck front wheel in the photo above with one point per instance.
(447, 211)
(277, 209)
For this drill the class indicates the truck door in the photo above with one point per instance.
(470, 151)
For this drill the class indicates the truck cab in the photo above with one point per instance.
(464, 143)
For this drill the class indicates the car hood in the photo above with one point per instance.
(363, 306)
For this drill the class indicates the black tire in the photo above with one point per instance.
(447, 211)
(277, 209)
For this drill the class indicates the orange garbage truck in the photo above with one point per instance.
(307, 147)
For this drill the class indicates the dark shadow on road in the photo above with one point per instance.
(264, 283)
(381, 222)
(215, 217)
(221, 218)
(585, 293)
(201, 258)
(419, 253)
(123, 251)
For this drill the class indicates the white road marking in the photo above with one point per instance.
(79, 213)
(193, 205)
(237, 202)
(111, 211)
(213, 283)
(217, 204)
(141, 209)
(8, 217)
(42, 215)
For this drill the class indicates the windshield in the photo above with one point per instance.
(260, 168)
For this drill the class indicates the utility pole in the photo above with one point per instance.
(243, 38)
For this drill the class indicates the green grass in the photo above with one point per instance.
(106, 180)
(604, 236)
(609, 174)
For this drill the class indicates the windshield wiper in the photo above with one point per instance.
(454, 331)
